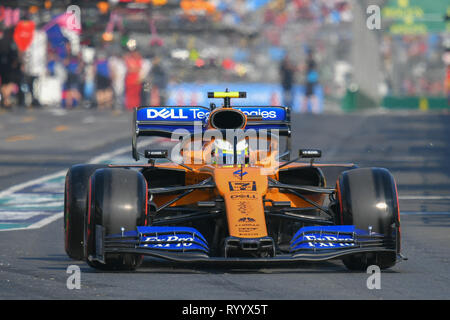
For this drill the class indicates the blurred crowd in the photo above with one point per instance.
(91, 77)
(124, 56)
(127, 54)
(414, 64)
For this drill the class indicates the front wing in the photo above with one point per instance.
(187, 245)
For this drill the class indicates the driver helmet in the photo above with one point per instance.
(223, 152)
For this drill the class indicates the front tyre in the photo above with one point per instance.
(367, 198)
(75, 207)
(117, 199)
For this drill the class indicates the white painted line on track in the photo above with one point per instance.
(17, 200)
(46, 221)
(98, 159)
(427, 213)
(40, 223)
(30, 183)
(424, 197)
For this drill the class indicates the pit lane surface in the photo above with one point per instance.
(414, 147)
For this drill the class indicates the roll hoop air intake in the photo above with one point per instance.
(227, 118)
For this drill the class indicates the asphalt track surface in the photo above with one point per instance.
(415, 147)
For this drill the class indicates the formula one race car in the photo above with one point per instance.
(225, 193)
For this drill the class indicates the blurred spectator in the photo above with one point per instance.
(49, 85)
(118, 71)
(88, 76)
(145, 84)
(133, 62)
(72, 94)
(311, 81)
(104, 94)
(287, 74)
(159, 80)
(34, 66)
(10, 71)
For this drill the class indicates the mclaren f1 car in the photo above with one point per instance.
(230, 190)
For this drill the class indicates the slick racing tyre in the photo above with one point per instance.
(367, 198)
(75, 195)
(117, 199)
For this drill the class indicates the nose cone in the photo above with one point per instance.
(243, 190)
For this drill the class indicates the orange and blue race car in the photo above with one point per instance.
(229, 190)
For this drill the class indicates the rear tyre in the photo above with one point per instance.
(75, 195)
(118, 199)
(367, 197)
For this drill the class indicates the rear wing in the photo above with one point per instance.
(162, 121)
(268, 117)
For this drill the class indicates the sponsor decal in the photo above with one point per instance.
(200, 114)
(331, 244)
(153, 113)
(324, 237)
(246, 220)
(239, 173)
(171, 238)
(247, 226)
(246, 230)
(244, 196)
(247, 233)
(265, 113)
(243, 207)
(242, 186)
(172, 113)
(167, 241)
(173, 242)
